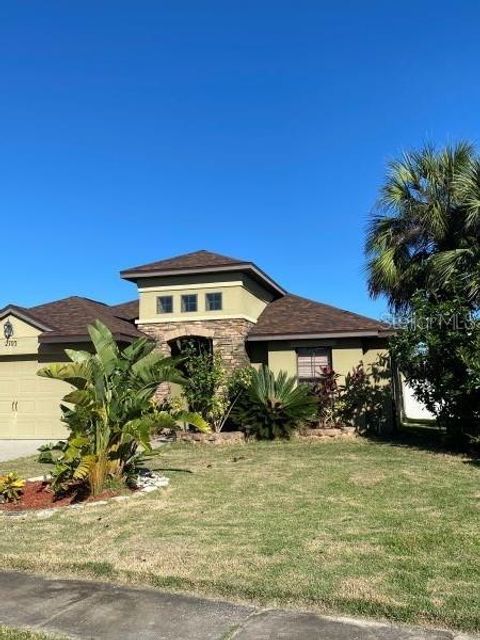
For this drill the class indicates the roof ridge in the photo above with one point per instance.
(189, 254)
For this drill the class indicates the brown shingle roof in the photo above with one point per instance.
(293, 315)
(69, 318)
(201, 262)
(195, 260)
(126, 310)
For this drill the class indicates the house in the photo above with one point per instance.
(232, 304)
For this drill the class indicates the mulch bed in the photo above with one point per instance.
(37, 495)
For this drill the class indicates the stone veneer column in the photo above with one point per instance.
(228, 338)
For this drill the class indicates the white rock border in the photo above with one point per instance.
(146, 483)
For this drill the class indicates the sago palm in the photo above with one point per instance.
(273, 406)
(424, 233)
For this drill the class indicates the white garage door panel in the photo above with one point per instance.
(36, 402)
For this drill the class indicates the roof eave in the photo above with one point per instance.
(57, 339)
(134, 275)
(320, 335)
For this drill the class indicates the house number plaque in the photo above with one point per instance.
(8, 333)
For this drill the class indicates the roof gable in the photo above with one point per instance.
(26, 315)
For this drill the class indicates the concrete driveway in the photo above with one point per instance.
(11, 449)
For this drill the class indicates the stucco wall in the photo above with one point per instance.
(345, 353)
(241, 298)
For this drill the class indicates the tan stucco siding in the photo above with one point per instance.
(346, 353)
(237, 302)
(346, 357)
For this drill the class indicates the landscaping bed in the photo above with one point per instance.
(37, 494)
(337, 525)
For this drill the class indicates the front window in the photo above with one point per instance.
(189, 303)
(213, 301)
(165, 304)
(311, 363)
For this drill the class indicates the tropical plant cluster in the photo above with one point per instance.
(423, 251)
(363, 400)
(110, 413)
(439, 356)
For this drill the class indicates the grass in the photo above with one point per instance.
(25, 467)
(351, 527)
(6, 633)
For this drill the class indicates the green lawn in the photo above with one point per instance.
(25, 467)
(350, 527)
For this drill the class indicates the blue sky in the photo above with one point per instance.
(132, 131)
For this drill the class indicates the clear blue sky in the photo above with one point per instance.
(136, 130)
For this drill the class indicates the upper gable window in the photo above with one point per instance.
(189, 302)
(165, 304)
(213, 301)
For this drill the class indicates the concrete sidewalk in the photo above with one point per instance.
(93, 610)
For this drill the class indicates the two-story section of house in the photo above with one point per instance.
(248, 317)
(203, 295)
(230, 304)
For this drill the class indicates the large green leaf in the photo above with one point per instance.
(105, 346)
(82, 397)
(76, 373)
(85, 467)
(193, 419)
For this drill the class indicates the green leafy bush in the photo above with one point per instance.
(274, 406)
(326, 391)
(210, 389)
(365, 398)
(11, 487)
(438, 352)
(113, 410)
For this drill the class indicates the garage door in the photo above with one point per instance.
(29, 405)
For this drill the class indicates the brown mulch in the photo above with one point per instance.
(38, 495)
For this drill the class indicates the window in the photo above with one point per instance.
(311, 362)
(189, 302)
(165, 304)
(213, 301)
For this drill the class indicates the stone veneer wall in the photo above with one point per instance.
(228, 339)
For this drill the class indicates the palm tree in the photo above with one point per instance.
(424, 233)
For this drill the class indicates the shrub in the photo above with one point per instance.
(11, 487)
(209, 389)
(365, 399)
(438, 351)
(113, 411)
(205, 377)
(326, 392)
(273, 407)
